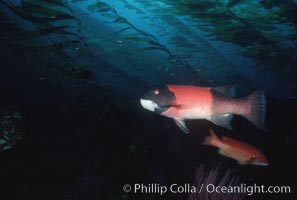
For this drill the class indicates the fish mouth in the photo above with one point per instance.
(148, 104)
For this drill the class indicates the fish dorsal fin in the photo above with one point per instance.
(226, 90)
(223, 120)
(181, 124)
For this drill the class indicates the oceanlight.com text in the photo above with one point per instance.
(249, 190)
(187, 188)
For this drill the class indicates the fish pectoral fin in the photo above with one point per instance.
(181, 124)
(222, 120)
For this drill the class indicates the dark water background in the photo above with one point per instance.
(87, 135)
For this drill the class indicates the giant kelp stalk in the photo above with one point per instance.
(44, 31)
(10, 129)
(141, 36)
(264, 36)
(217, 177)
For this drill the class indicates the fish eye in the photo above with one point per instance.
(157, 91)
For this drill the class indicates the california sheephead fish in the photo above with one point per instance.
(182, 102)
(242, 152)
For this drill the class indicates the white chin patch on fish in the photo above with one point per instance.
(148, 104)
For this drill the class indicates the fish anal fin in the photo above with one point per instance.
(226, 90)
(222, 120)
(181, 124)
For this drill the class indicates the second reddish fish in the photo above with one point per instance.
(240, 151)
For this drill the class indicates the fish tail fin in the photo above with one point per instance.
(212, 139)
(258, 109)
